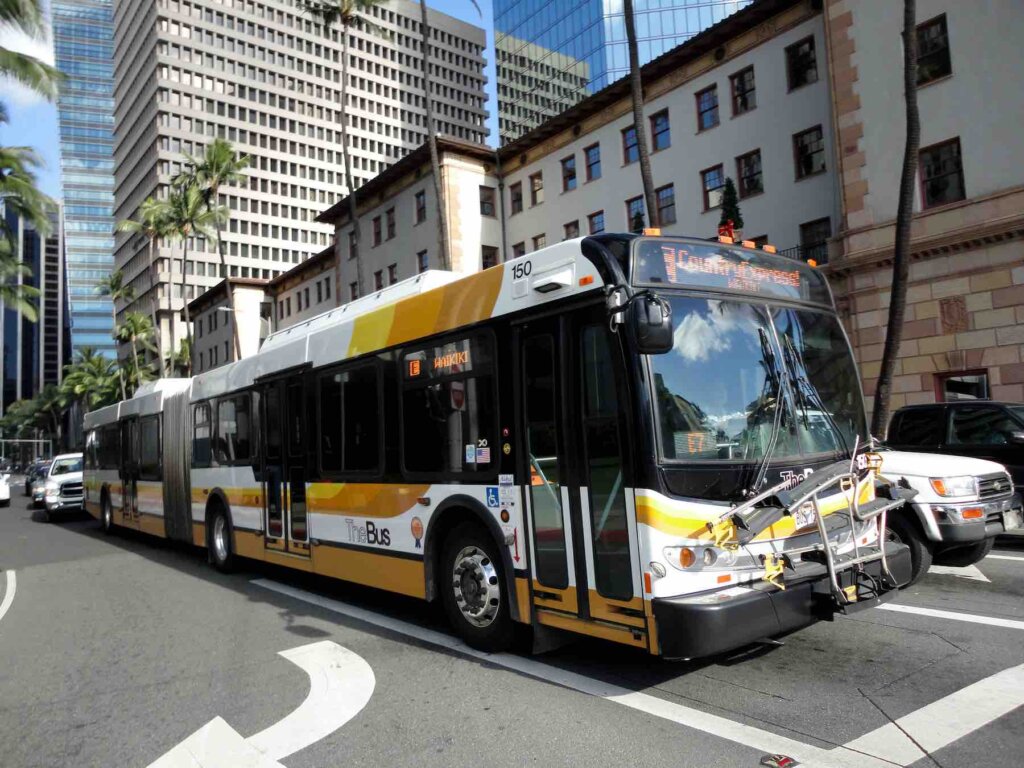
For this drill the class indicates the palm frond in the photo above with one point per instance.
(30, 72)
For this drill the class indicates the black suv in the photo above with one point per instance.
(977, 428)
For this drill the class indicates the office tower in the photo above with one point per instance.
(267, 78)
(543, 48)
(33, 353)
(83, 43)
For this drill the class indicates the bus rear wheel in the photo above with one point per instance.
(473, 589)
(106, 515)
(221, 556)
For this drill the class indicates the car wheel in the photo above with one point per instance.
(968, 555)
(473, 589)
(902, 531)
(221, 556)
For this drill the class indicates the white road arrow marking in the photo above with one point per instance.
(340, 685)
(12, 587)
(964, 572)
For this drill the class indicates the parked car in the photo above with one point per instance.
(980, 429)
(63, 490)
(35, 471)
(961, 505)
(5, 490)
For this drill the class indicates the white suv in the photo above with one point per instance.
(62, 486)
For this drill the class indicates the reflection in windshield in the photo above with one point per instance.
(716, 398)
(65, 466)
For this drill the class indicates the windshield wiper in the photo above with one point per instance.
(805, 390)
(774, 379)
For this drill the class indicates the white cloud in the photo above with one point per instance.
(15, 94)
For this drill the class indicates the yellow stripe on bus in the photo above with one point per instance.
(363, 499)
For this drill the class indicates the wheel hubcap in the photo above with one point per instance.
(891, 535)
(220, 538)
(476, 587)
(106, 515)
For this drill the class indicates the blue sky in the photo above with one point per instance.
(33, 122)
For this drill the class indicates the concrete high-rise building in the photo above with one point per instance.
(542, 47)
(267, 78)
(33, 353)
(83, 42)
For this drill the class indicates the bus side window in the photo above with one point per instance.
(201, 436)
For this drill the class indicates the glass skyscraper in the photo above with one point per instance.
(83, 43)
(552, 54)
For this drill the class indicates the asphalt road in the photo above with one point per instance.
(113, 650)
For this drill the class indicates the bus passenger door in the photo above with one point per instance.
(129, 473)
(283, 466)
(585, 557)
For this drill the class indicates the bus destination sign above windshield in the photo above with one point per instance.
(713, 266)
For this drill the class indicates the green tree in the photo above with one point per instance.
(636, 89)
(137, 330)
(181, 361)
(91, 379)
(904, 216)
(154, 223)
(347, 14)
(113, 286)
(221, 166)
(730, 206)
(190, 214)
(26, 16)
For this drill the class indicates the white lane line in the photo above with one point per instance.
(340, 685)
(739, 733)
(1005, 557)
(939, 724)
(12, 587)
(962, 572)
(992, 621)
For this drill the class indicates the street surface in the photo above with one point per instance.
(116, 650)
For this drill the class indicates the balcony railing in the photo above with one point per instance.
(816, 251)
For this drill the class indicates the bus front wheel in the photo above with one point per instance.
(221, 556)
(106, 515)
(473, 589)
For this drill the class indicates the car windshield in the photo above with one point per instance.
(65, 466)
(717, 396)
(1018, 411)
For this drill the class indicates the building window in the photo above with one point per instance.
(487, 201)
(748, 169)
(319, 291)
(539, 241)
(962, 385)
(353, 250)
(392, 274)
(353, 291)
(519, 249)
(635, 213)
(327, 288)
(298, 301)
(389, 215)
(536, 189)
(809, 150)
(760, 241)
(572, 229)
(515, 192)
(707, 108)
(744, 93)
(378, 279)
(801, 64)
(376, 230)
(942, 174)
(595, 222)
(712, 180)
(666, 198)
(814, 237)
(661, 135)
(630, 148)
(569, 173)
(422, 261)
(488, 256)
(933, 50)
(421, 206)
(593, 158)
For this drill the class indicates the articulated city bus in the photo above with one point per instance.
(655, 440)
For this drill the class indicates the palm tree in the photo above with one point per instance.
(136, 329)
(52, 402)
(221, 165)
(904, 214)
(190, 214)
(153, 223)
(91, 379)
(637, 92)
(113, 286)
(347, 14)
(14, 293)
(182, 359)
(26, 16)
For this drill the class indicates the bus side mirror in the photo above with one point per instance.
(652, 324)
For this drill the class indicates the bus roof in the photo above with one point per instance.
(147, 400)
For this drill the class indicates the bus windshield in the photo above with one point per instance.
(720, 389)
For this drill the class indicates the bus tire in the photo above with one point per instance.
(904, 531)
(219, 526)
(473, 589)
(106, 514)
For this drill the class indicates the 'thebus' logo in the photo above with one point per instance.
(793, 479)
(368, 534)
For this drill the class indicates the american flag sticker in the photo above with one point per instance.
(483, 455)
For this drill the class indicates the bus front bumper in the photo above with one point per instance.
(695, 626)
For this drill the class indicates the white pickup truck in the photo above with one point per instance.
(962, 504)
